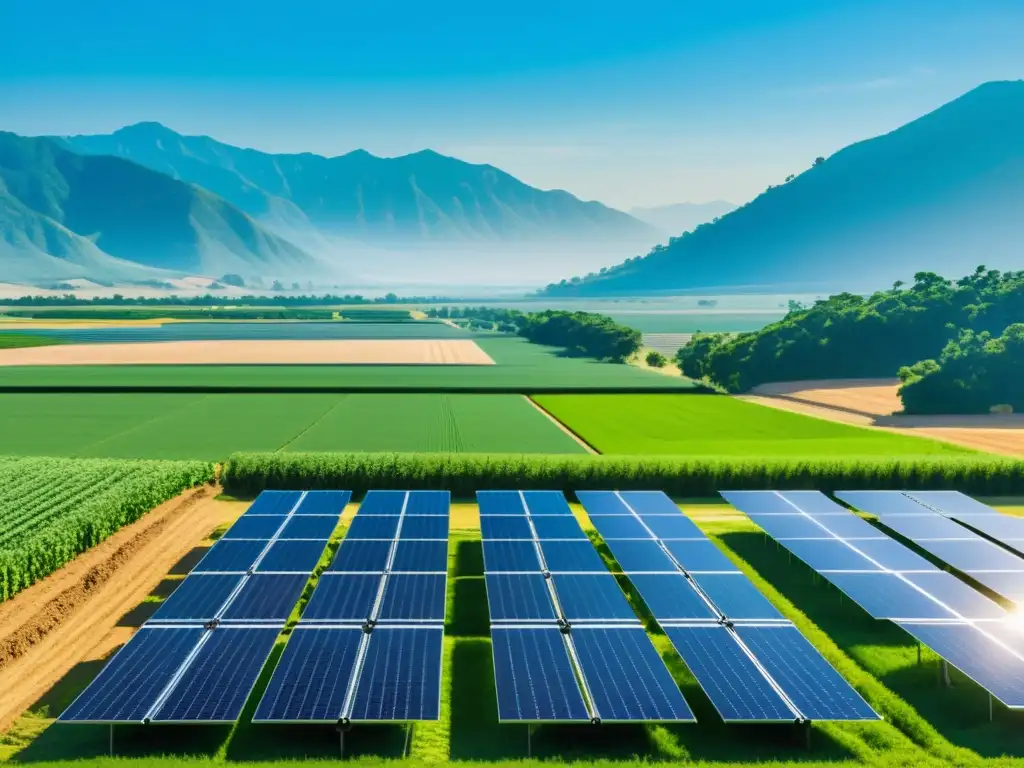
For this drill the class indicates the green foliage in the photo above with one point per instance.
(54, 509)
(975, 373)
(655, 359)
(464, 474)
(18, 340)
(581, 333)
(376, 315)
(197, 313)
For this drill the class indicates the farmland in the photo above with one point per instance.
(711, 425)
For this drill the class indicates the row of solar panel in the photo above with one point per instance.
(299, 503)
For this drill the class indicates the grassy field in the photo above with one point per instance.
(716, 425)
(20, 340)
(925, 724)
(212, 426)
(695, 321)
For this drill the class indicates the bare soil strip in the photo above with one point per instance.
(87, 609)
(583, 443)
(250, 352)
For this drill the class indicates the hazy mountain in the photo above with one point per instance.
(943, 193)
(681, 217)
(65, 215)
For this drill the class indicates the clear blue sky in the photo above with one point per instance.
(631, 103)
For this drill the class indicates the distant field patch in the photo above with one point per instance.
(24, 341)
(714, 425)
(693, 321)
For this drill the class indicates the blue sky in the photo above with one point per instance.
(640, 103)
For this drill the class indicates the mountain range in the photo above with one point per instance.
(943, 193)
(677, 218)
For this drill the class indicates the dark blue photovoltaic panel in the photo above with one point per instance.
(735, 596)
(348, 597)
(421, 556)
(830, 554)
(558, 527)
(235, 556)
(991, 666)
(1009, 584)
(510, 527)
(814, 503)
(670, 596)
(572, 556)
(401, 676)
(591, 597)
(198, 598)
(621, 527)
(511, 556)
(886, 596)
(1009, 633)
(883, 503)
(435, 527)
(849, 526)
(311, 681)
(929, 526)
(976, 555)
(676, 526)
(646, 503)
(696, 556)
(758, 502)
(500, 503)
(254, 527)
(626, 676)
(519, 597)
(298, 556)
(542, 503)
(414, 596)
(810, 682)
(892, 555)
(330, 503)
(386, 503)
(736, 687)
(999, 527)
(433, 503)
(950, 591)
(362, 555)
(267, 597)
(638, 556)
(599, 503)
(129, 685)
(310, 527)
(795, 526)
(952, 503)
(216, 684)
(372, 527)
(274, 503)
(534, 677)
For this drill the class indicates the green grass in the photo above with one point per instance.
(693, 322)
(713, 425)
(213, 426)
(21, 340)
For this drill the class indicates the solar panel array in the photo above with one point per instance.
(567, 645)
(753, 664)
(368, 645)
(197, 659)
(890, 581)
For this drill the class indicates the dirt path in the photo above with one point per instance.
(84, 611)
(583, 443)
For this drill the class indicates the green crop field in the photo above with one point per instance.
(694, 321)
(212, 426)
(716, 425)
(19, 340)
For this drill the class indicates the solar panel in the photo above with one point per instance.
(234, 556)
(311, 681)
(558, 527)
(254, 527)
(274, 503)
(830, 554)
(1000, 527)
(849, 526)
(992, 666)
(758, 502)
(600, 503)
(331, 503)
(421, 556)
(669, 596)
(198, 598)
(267, 597)
(502, 555)
(367, 555)
(382, 503)
(400, 677)
(638, 556)
(950, 591)
(697, 556)
(508, 527)
(813, 503)
(735, 597)
(976, 555)
(886, 596)
(310, 527)
(414, 597)
(500, 503)
(1008, 632)
(893, 555)
(424, 527)
(381, 527)
(883, 503)
(215, 685)
(591, 597)
(431, 503)
(650, 503)
(348, 597)
(1008, 584)
(810, 682)
(736, 687)
(931, 526)
(534, 677)
(519, 597)
(794, 526)
(952, 503)
(676, 526)
(571, 556)
(295, 556)
(626, 677)
(545, 503)
(620, 527)
(132, 681)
